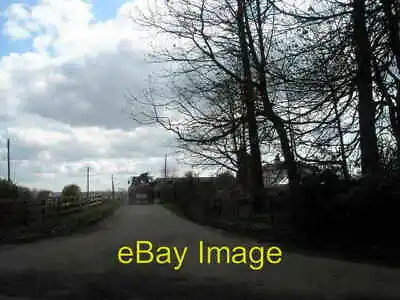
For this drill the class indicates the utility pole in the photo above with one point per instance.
(87, 183)
(112, 186)
(8, 161)
(165, 166)
(93, 187)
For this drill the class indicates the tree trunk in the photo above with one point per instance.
(249, 100)
(344, 166)
(288, 153)
(290, 161)
(366, 105)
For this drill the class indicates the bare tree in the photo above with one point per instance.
(342, 49)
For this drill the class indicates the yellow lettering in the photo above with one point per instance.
(125, 251)
(180, 258)
(164, 255)
(241, 254)
(278, 254)
(147, 251)
(257, 260)
(201, 259)
(219, 251)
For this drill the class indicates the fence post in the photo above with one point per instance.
(58, 207)
(43, 204)
(25, 212)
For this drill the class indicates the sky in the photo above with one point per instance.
(66, 68)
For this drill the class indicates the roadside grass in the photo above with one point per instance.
(60, 226)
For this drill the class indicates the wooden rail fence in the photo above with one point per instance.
(14, 213)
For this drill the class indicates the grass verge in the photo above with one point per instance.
(60, 226)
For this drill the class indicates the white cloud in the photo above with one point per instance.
(66, 150)
(42, 43)
(13, 27)
(50, 16)
(64, 103)
(38, 136)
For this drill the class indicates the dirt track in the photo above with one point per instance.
(85, 266)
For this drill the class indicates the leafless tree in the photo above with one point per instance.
(219, 37)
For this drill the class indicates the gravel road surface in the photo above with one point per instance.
(86, 266)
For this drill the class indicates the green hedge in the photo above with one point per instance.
(8, 190)
(193, 199)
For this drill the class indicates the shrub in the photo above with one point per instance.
(189, 174)
(346, 211)
(71, 193)
(225, 180)
(8, 190)
(25, 194)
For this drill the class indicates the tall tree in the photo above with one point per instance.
(366, 103)
(216, 35)
(250, 100)
(343, 43)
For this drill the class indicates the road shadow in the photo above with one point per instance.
(118, 285)
(383, 257)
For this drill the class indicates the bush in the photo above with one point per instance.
(25, 194)
(189, 174)
(348, 212)
(225, 180)
(71, 193)
(8, 190)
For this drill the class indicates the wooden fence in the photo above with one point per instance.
(14, 213)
